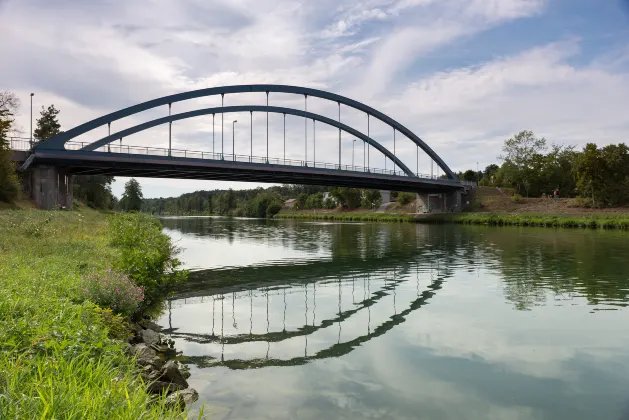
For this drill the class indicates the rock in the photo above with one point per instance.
(143, 354)
(149, 337)
(135, 327)
(149, 325)
(160, 387)
(171, 372)
(185, 371)
(150, 374)
(181, 398)
(157, 363)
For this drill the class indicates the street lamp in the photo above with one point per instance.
(353, 144)
(234, 139)
(32, 94)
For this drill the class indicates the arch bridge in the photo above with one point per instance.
(53, 162)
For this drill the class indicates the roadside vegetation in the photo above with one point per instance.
(69, 281)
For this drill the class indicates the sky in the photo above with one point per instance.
(464, 75)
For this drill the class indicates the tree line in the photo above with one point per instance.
(597, 176)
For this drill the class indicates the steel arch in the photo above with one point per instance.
(245, 108)
(59, 141)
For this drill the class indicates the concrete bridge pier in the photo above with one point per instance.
(439, 202)
(50, 187)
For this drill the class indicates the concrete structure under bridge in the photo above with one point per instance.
(50, 165)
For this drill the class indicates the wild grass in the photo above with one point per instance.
(595, 221)
(57, 359)
(603, 221)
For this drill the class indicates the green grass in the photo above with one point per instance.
(601, 220)
(594, 221)
(56, 357)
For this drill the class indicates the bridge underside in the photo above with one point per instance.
(102, 163)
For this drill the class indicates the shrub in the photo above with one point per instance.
(405, 197)
(117, 327)
(114, 290)
(147, 254)
(580, 202)
(517, 198)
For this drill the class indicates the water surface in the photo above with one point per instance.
(309, 320)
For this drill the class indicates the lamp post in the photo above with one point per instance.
(32, 94)
(234, 139)
(353, 144)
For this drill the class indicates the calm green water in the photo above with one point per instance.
(308, 320)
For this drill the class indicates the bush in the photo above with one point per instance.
(405, 197)
(580, 202)
(517, 198)
(147, 254)
(9, 182)
(114, 290)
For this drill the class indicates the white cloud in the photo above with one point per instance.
(98, 57)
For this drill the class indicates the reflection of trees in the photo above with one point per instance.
(565, 262)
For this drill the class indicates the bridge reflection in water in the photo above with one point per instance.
(303, 312)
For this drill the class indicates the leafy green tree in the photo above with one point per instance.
(349, 198)
(521, 159)
(300, 202)
(132, 197)
(48, 124)
(94, 190)
(371, 199)
(315, 201)
(470, 175)
(9, 182)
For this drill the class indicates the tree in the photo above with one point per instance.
(9, 182)
(470, 175)
(522, 152)
(94, 190)
(490, 170)
(300, 202)
(315, 201)
(371, 199)
(47, 124)
(349, 198)
(132, 197)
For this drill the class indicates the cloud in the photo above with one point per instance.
(399, 56)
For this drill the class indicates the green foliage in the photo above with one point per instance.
(603, 174)
(132, 198)
(94, 190)
(314, 201)
(146, 254)
(371, 199)
(117, 326)
(262, 205)
(470, 175)
(48, 124)
(405, 197)
(9, 182)
(349, 198)
(114, 290)
(517, 198)
(57, 356)
(352, 217)
(300, 202)
(579, 201)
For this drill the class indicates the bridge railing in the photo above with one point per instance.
(19, 143)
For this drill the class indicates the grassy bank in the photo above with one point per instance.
(58, 354)
(591, 220)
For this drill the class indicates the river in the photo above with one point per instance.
(308, 320)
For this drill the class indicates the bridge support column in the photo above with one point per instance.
(51, 187)
(453, 201)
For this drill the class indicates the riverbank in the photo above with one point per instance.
(62, 356)
(590, 220)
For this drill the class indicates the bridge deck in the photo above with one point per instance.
(151, 166)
